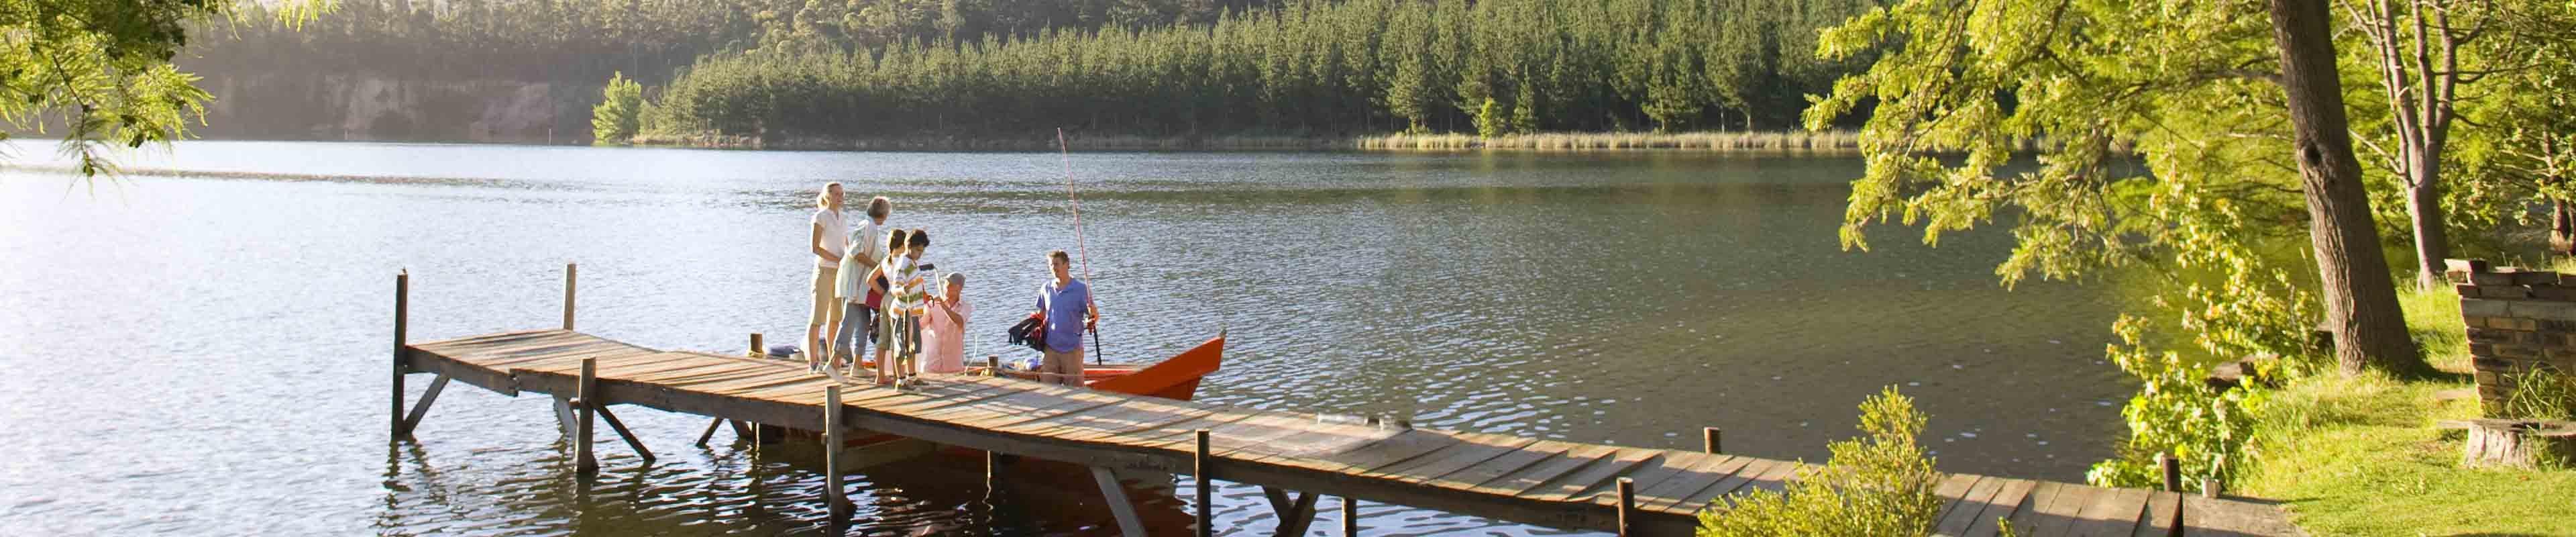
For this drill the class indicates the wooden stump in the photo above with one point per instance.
(2516, 443)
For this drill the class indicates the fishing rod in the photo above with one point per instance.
(1066, 152)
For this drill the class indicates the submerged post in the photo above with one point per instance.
(1199, 473)
(1627, 506)
(570, 272)
(584, 394)
(1708, 441)
(402, 305)
(840, 498)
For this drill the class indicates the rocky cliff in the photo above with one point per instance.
(369, 107)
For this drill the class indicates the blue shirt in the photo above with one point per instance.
(1064, 309)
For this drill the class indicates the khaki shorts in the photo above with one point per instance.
(1061, 367)
(826, 306)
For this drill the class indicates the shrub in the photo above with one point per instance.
(616, 118)
(2175, 412)
(1878, 485)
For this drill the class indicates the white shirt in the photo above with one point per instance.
(869, 238)
(833, 226)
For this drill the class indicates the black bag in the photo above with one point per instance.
(1030, 332)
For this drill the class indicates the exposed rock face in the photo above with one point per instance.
(365, 107)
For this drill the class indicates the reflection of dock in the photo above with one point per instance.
(1542, 482)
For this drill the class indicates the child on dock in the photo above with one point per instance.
(906, 303)
(878, 280)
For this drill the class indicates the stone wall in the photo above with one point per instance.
(2517, 320)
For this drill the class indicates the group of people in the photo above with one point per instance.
(871, 286)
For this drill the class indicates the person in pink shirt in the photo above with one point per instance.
(943, 332)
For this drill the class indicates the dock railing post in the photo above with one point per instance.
(1708, 441)
(402, 307)
(840, 499)
(2172, 472)
(1199, 474)
(584, 397)
(571, 271)
(756, 351)
(1627, 506)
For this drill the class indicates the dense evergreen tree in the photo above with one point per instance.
(1308, 67)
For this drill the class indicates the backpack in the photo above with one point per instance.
(1030, 332)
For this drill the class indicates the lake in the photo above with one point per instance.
(201, 347)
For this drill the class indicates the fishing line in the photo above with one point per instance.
(1066, 152)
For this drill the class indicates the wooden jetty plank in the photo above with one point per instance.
(1594, 478)
(1751, 472)
(1518, 459)
(1170, 435)
(1963, 512)
(2047, 511)
(1392, 449)
(1671, 493)
(1547, 470)
(1017, 409)
(2219, 517)
(2113, 512)
(487, 339)
(1473, 449)
(2012, 499)
(2158, 521)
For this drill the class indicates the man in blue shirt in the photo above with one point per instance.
(1068, 308)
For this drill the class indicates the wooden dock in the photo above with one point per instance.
(1629, 490)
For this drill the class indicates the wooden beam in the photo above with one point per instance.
(1128, 523)
(711, 431)
(571, 272)
(1709, 441)
(421, 410)
(2171, 470)
(856, 458)
(402, 304)
(1199, 475)
(620, 428)
(840, 500)
(564, 417)
(1295, 515)
(584, 464)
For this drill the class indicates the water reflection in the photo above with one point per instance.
(1627, 298)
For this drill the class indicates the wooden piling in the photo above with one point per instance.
(619, 427)
(1627, 506)
(2172, 472)
(840, 499)
(1199, 474)
(570, 273)
(1708, 441)
(711, 431)
(585, 396)
(1350, 516)
(402, 304)
(756, 351)
(2209, 488)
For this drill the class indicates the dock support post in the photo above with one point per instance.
(1350, 516)
(570, 271)
(1708, 441)
(1199, 473)
(620, 428)
(1128, 523)
(756, 351)
(840, 498)
(402, 429)
(1294, 514)
(1627, 507)
(711, 431)
(2209, 488)
(402, 305)
(584, 394)
(2172, 472)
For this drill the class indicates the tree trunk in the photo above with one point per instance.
(2562, 228)
(2424, 204)
(2360, 296)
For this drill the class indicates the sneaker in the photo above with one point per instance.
(835, 373)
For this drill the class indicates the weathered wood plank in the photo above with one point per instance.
(2114, 512)
(2012, 499)
(2218, 517)
(1963, 512)
(2159, 518)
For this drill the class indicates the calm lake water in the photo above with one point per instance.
(203, 349)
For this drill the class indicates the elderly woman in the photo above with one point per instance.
(943, 332)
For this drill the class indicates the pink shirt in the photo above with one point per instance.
(943, 339)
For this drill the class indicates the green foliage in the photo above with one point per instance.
(1493, 67)
(1881, 485)
(619, 113)
(2361, 455)
(101, 70)
(2175, 413)
(2541, 393)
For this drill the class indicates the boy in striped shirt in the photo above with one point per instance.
(906, 303)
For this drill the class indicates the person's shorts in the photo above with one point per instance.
(824, 303)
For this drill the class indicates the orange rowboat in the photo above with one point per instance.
(1173, 378)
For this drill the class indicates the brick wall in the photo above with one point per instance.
(2517, 320)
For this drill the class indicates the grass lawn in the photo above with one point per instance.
(2360, 456)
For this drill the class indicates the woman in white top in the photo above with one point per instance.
(865, 248)
(828, 231)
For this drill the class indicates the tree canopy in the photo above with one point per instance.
(99, 70)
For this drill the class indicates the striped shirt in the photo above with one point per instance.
(910, 288)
